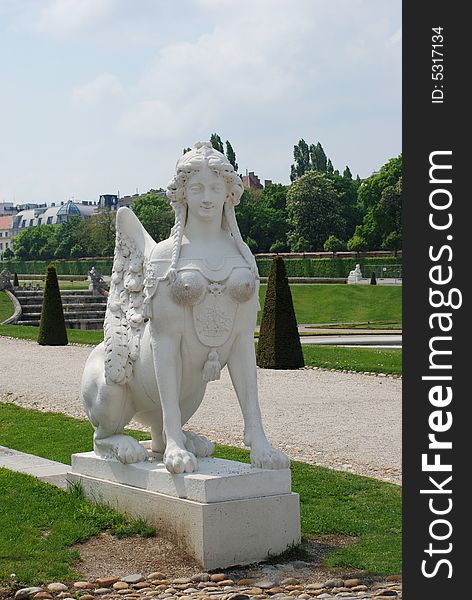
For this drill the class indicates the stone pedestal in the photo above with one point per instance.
(228, 513)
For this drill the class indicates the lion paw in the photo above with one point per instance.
(179, 460)
(122, 447)
(198, 444)
(267, 457)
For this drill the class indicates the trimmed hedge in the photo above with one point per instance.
(296, 267)
(52, 326)
(279, 341)
(333, 267)
(63, 267)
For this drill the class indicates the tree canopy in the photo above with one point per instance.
(262, 218)
(380, 197)
(320, 210)
(315, 211)
(155, 213)
(312, 158)
(230, 154)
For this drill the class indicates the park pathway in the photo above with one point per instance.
(346, 421)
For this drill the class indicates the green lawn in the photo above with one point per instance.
(374, 360)
(318, 303)
(6, 307)
(75, 336)
(331, 503)
(39, 523)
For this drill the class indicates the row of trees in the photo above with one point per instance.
(321, 209)
(324, 210)
(75, 238)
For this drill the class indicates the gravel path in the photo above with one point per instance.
(346, 421)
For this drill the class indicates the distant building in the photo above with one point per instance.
(251, 181)
(113, 202)
(51, 215)
(108, 202)
(7, 208)
(5, 233)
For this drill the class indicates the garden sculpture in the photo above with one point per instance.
(5, 280)
(355, 275)
(97, 282)
(178, 311)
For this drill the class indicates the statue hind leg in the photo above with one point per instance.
(109, 409)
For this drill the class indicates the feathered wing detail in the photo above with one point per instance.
(124, 319)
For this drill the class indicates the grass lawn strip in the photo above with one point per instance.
(332, 502)
(371, 360)
(318, 303)
(6, 307)
(75, 336)
(321, 303)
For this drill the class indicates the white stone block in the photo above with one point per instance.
(217, 480)
(219, 533)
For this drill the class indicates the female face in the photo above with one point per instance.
(206, 194)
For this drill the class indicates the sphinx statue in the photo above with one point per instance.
(178, 311)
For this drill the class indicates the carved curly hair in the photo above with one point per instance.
(203, 154)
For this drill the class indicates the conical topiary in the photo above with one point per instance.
(279, 341)
(52, 328)
(16, 283)
(373, 279)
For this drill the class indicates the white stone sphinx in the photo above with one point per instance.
(178, 312)
(355, 275)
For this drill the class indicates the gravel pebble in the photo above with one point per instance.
(57, 587)
(184, 588)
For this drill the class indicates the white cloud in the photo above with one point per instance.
(241, 65)
(93, 93)
(60, 17)
(395, 39)
(155, 76)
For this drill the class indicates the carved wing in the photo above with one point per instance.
(124, 318)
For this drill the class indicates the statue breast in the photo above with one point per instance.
(196, 279)
(241, 285)
(188, 288)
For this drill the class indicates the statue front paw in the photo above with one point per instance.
(198, 444)
(265, 456)
(179, 460)
(122, 447)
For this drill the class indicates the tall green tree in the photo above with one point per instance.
(347, 173)
(372, 187)
(315, 211)
(216, 142)
(231, 155)
(381, 198)
(262, 218)
(73, 239)
(101, 230)
(302, 164)
(350, 211)
(319, 160)
(155, 213)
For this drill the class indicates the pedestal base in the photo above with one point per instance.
(218, 533)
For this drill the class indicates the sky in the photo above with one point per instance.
(101, 96)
